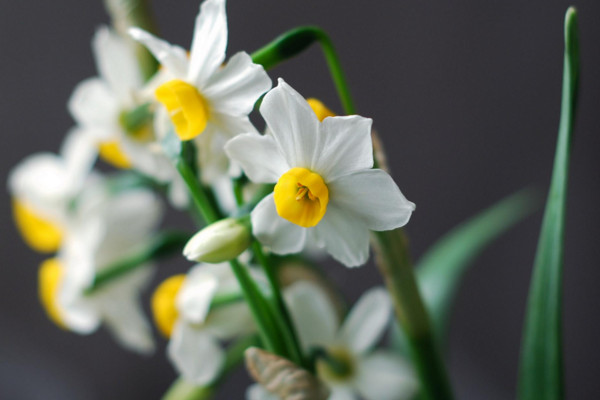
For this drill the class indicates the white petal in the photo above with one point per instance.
(173, 58)
(79, 153)
(313, 314)
(282, 236)
(209, 42)
(345, 146)
(293, 124)
(344, 236)
(385, 376)
(234, 89)
(231, 321)
(257, 392)
(195, 353)
(259, 157)
(367, 320)
(93, 105)
(194, 298)
(116, 62)
(373, 196)
(40, 179)
(125, 319)
(342, 393)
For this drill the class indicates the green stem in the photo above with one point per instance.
(129, 13)
(394, 263)
(163, 244)
(199, 196)
(284, 321)
(295, 41)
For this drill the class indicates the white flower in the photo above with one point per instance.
(106, 229)
(326, 188)
(197, 311)
(204, 98)
(115, 111)
(44, 185)
(374, 375)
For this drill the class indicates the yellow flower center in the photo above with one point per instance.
(111, 153)
(320, 109)
(186, 106)
(39, 233)
(301, 197)
(163, 304)
(49, 279)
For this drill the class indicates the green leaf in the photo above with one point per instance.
(541, 368)
(440, 270)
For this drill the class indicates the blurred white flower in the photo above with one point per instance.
(326, 188)
(351, 368)
(197, 311)
(104, 230)
(43, 186)
(115, 110)
(204, 98)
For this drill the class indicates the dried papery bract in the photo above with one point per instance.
(282, 377)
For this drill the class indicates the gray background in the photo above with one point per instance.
(466, 96)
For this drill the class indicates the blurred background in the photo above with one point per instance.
(466, 97)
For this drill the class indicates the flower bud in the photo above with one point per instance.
(219, 242)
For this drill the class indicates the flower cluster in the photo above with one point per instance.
(307, 182)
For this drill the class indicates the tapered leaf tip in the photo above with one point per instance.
(570, 26)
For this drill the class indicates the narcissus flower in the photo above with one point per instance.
(196, 311)
(107, 229)
(44, 185)
(346, 360)
(203, 97)
(326, 189)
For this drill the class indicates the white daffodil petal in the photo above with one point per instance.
(209, 42)
(259, 157)
(373, 196)
(116, 62)
(93, 105)
(234, 89)
(257, 392)
(345, 146)
(231, 321)
(342, 393)
(282, 236)
(313, 314)
(195, 353)
(125, 319)
(293, 124)
(194, 298)
(385, 376)
(40, 178)
(345, 237)
(174, 58)
(367, 321)
(79, 153)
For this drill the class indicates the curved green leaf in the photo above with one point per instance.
(541, 369)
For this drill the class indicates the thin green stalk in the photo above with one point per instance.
(295, 41)
(128, 13)
(541, 369)
(394, 263)
(199, 196)
(162, 245)
(285, 323)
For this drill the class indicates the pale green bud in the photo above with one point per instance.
(219, 242)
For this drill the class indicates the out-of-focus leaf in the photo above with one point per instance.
(441, 268)
(541, 369)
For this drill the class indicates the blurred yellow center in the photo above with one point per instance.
(111, 153)
(320, 109)
(39, 233)
(186, 106)
(339, 366)
(163, 304)
(49, 279)
(301, 197)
